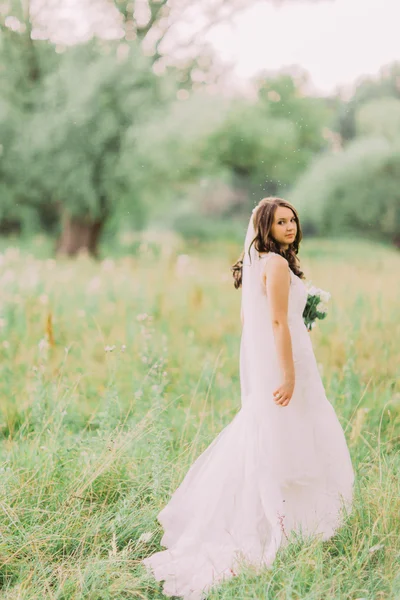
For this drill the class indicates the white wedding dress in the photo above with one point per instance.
(271, 471)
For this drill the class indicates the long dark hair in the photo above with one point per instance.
(263, 220)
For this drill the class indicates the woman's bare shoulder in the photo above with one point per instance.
(276, 264)
(274, 259)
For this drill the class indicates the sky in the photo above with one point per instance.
(336, 41)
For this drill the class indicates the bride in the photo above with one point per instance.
(282, 465)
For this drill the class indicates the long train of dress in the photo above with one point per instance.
(271, 471)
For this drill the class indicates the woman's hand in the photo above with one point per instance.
(283, 394)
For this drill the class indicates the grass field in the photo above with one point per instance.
(115, 375)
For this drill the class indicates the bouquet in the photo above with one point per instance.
(316, 306)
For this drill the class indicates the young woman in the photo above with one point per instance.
(282, 465)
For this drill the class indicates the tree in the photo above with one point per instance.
(269, 142)
(354, 191)
(380, 117)
(71, 146)
(74, 110)
(385, 85)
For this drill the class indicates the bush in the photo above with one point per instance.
(354, 191)
(206, 229)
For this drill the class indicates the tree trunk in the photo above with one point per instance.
(79, 234)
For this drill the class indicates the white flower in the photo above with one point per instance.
(142, 317)
(146, 537)
(123, 348)
(321, 307)
(94, 285)
(325, 296)
(43, 345)
(109, 348)
(313, 291)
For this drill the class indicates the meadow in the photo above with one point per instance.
(116, 374)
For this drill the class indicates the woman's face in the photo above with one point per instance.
(284, 227)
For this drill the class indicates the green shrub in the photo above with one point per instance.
(354, 191)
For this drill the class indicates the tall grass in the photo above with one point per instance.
(115, 375)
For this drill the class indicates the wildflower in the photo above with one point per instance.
(6, 344)
(109, 348)
(123, 348)
(43, 299)
(94, 285)
(43, 345)
(146, 537)
(139, 394)
(108, 264)
(142, 317)
(282, 526)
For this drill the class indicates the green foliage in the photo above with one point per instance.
(379, 118)
(270, 142)
(386, 85)
(249, 142)
(208, 229)
(163, 154)
(76, 134)
(354, 191)
(283, 97)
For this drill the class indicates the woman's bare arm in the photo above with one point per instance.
(277, 286)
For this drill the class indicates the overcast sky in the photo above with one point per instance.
(335, 40)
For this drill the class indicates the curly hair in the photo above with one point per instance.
(263, 220)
